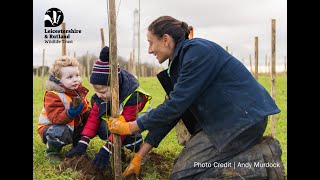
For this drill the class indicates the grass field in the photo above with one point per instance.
(169, 147)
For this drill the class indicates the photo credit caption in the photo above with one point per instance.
(235, 165)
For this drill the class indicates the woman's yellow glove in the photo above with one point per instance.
(134, 166)
(119, 126)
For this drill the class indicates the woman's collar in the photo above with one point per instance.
(178, 48)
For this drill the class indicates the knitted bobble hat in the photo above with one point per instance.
(101, 69)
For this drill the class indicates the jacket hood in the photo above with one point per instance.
(52, 86)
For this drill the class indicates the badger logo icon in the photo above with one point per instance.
(53, 17)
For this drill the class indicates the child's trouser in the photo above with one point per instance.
(56, 136)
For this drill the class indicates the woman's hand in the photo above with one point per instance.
(134, 166)
(119, 126)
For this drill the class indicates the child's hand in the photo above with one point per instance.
(101, 159)
(76, 102)
(80, 149)
(73, 112)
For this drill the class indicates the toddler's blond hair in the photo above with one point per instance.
(64, 61)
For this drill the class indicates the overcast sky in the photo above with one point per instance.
(232, 23)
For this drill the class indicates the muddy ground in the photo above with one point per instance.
(83, 164)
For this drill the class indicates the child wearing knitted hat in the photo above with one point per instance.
(62, 118)
(134, 102)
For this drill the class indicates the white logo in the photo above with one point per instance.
(53, 17)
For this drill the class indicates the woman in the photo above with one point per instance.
(230, 107)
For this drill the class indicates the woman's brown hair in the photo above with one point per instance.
(171, 26)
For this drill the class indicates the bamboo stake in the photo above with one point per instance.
(64, 47)
(114, 88)
(256, 58)
(273, 73)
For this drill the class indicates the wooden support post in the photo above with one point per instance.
(266, 66)
(88, 65)
(114, 88)
(285, 66)
(139, 52)
(256, 72)
(134, 41)
(42, 73)
(250, 64)
(64, 47)
(129, 62)
(273, 73)
(133, 63)
(102, 38)
(142, 70)
(269, 66)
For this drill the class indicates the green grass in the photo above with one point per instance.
(281, 118)
(169, 147)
